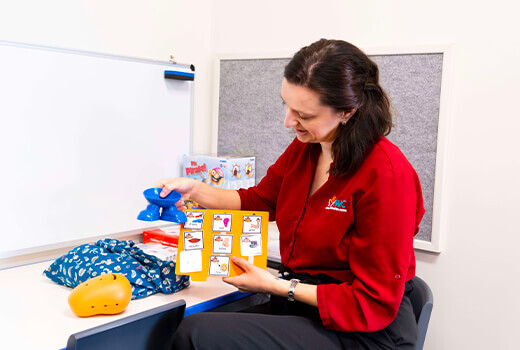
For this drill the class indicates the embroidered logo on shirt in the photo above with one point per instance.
(337, 204)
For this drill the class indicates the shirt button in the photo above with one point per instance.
(397, 277)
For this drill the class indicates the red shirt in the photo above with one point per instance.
(357, 229)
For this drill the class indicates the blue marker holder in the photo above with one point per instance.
(177, 75)
(162, 208)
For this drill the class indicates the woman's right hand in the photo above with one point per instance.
(185, 186)
(206, 196)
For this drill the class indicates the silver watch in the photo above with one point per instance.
(290, 295)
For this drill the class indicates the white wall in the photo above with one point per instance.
(152, 29)
(475, 279)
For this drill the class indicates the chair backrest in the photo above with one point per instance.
(422, 303)
(151, 329)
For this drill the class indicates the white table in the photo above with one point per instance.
(35, 314)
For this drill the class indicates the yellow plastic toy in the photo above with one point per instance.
(106, 294)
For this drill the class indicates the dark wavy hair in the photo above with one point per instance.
(345, 79)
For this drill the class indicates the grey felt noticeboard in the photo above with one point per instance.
(250, 113)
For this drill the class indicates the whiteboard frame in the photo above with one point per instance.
(93, 54)
(435, 245)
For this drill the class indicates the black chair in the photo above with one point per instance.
(151, 329)
(422, 303)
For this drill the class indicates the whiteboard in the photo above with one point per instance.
(83, 135)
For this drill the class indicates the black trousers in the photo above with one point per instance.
(281, 324)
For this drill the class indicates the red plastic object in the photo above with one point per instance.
(159, 236)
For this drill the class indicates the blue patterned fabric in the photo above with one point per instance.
(146, 273)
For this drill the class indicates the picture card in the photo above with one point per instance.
(251, 245)
(194, 220)
(222, 244)
(193, 240)
(222, 222)
(219, 265)
(190, 261)
(252, 224)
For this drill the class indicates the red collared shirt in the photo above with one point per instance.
(357, 229)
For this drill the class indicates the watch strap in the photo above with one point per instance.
(290, 294)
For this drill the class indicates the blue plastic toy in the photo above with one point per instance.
(167, 204)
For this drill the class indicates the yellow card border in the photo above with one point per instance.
(236, 231)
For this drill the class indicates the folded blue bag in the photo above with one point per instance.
(147, 274)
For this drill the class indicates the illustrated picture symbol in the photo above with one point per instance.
(257, 225)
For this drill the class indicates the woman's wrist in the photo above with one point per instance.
(197, 193)
(280, 287)
(195, 188)
(305, 293)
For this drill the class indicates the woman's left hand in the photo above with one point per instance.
(253, 280)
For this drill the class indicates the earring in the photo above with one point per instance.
(344, 122)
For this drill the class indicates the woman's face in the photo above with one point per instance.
(312, 121)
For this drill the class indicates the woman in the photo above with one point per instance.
(347, 204)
